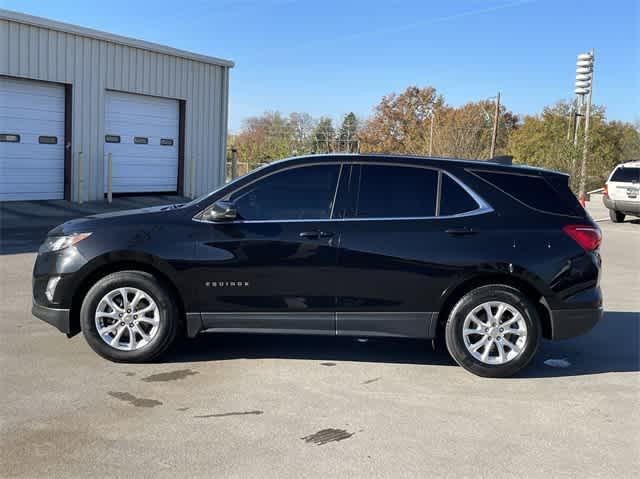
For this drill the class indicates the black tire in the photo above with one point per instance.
(616, 216)
(495, 292)
(167, 309)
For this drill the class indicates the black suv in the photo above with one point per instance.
(487, 256)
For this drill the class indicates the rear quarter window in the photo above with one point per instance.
(534, 191)
(454, 200)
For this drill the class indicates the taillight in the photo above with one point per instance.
(606, 190)
(588, 237)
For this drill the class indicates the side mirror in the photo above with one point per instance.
(222, 211)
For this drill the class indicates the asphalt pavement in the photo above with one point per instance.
(265, 406)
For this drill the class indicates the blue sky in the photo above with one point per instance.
(331, 57)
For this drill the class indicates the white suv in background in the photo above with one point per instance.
(622, 191)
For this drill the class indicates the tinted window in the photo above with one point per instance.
(627, 174)
(298, 193)
(454, 200)
(396, 192)
(533, 191)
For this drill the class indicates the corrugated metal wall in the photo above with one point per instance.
(92, 66)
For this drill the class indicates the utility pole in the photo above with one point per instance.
(494, 136)
(433, 114)
(578, 114)
(588, 59)
(234, 163)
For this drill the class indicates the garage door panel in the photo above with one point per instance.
(141, 172)
(30, 144)
(33, 126)
(25, 105)
(148, 180)
(31, 196)
(15, 188)
(143, 128)
(144, 105)
(26, 183)
(124, 159)
(142, 167)
(157, 118)
(30, 169)
(146, 188)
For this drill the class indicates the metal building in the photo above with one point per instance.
(70, 96)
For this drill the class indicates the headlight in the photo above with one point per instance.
(56, 243)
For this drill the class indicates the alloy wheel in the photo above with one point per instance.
(127, 318)
(495, 333)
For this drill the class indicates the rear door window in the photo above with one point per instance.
(387, 191)
(626, 174)
(532, 190)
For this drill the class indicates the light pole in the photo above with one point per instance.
(584, 87)
(494, 135)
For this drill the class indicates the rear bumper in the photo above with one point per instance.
(55, 317)
(628, 207)
(568, 323)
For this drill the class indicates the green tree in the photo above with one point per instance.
(465, 132)
(323, 136)
(263, 139)
(400, 123)
(348, 134)
(302, 126)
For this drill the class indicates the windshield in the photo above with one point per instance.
(626, 174)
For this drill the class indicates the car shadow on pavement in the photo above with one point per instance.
(612, 346)
(224, 346)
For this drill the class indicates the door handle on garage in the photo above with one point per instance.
(460, 231)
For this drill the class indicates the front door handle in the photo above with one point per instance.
(316, 234)
(460, 231)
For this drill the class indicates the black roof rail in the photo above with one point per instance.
(502, 159)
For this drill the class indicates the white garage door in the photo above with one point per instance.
(141, 133)
(31, 140)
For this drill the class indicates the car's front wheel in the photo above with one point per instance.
(616, 216)
(493, 331)
(128, 316)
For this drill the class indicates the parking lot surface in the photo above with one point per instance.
(266, 406)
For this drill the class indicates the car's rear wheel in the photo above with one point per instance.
(128, 316)
(493, 331)
(616, 216)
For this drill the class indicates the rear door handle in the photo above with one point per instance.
(316, 234)
(309, 234)
(460, 231)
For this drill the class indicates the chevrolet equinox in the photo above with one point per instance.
(489, 257)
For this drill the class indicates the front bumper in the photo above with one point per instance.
(60, 318)
(568, 323)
